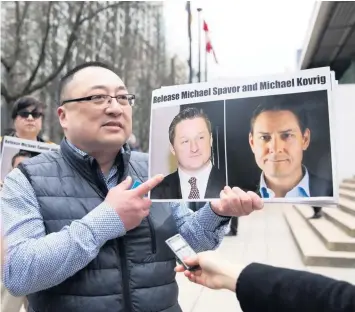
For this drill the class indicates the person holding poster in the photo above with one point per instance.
(190, 137)
(81, 234)
(279, 135)
(27, 116)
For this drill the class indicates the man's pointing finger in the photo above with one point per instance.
(145, 187)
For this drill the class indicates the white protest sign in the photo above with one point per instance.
(271, 135)
(15, 150)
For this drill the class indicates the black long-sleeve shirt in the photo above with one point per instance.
(264, 288)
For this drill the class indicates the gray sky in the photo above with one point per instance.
(250, 37)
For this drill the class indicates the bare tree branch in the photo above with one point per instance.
(70, 42)
(92, 15)
(43, 50)
(19, 21)
(6, 65)
(4, 92)
(130, 48)
(72, 38)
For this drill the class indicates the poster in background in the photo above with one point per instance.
(16, 150)
(291, 160)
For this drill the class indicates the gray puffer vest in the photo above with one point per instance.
(131, 273)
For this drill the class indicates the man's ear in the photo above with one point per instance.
(172, 150)
(211, 140)
(62, 115)
(251, 141)
(306, 139)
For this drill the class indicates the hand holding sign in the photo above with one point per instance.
(234, 202)
(130, 204)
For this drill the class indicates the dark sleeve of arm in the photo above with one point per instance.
(266, 288)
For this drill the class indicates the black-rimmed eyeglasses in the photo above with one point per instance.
(122, 99)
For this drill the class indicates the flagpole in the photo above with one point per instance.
(199, 44)
(188, 8)
(206, 61)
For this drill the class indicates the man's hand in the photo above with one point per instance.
(235, 202)
(131, 205)
(215, 272)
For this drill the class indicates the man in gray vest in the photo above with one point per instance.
(79, 237)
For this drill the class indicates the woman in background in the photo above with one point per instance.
(27, 116)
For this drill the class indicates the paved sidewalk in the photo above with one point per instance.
(263, 237)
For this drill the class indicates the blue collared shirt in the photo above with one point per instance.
(36, 261)
(300, 190)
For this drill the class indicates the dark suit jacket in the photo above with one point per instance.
(266, 288)
(170, 188)
(318, 187)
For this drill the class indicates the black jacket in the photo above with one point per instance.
(170, 187)
(263, 288)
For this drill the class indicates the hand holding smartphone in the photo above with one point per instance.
(182, 250)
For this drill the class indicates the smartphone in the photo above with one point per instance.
(135, 184)
(181, 249)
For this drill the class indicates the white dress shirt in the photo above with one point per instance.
(201, 176)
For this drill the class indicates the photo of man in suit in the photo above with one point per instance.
(279, 135)
(190, 136)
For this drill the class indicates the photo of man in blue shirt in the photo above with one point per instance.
(279, 135)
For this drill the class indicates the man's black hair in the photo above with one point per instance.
(69, 75)
(23, 153)
(275, 106)
(24, 102)
(188, 113)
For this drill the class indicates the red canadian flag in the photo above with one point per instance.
(209, 46)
